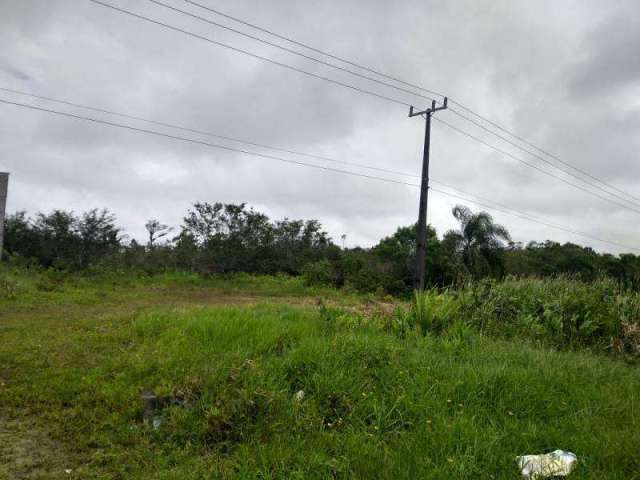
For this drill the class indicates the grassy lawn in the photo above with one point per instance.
(228, 358)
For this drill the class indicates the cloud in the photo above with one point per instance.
(549, 71)
(610, 62)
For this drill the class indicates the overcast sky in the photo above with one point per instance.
(564, 75)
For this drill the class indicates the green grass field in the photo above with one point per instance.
(227, 358)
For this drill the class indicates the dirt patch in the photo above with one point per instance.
(26, 452)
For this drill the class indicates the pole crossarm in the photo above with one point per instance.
(429, 111)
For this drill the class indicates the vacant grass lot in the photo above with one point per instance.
(228, 358)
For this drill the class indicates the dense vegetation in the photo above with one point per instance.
(224, 238)
(559, 312)
(563, 312)
(389, 391)
(268, 361)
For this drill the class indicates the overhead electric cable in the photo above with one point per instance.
(353, 87)
(225, 137)
(504, 209)
(237, 140)
(545, 152)
(544, 160)
(254, 55)
(432, 92)
(206, 133)
(289, 50)
(526, 217)
(313, 49)
(486, 200)
(200, 142)
(534, 166)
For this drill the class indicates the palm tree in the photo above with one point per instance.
(479, 241)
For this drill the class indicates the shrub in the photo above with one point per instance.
(8, 287)
(434, 312)
(562, 311)
(320, 273)
(401, 323)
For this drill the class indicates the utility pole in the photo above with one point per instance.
(4, 183)
(421, 235)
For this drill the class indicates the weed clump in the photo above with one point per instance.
(560, 312)
(9, 287)
(434, 312)
(563, 311)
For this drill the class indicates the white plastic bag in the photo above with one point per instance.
(555, 464)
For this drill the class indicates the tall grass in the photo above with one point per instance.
(34, 285)
(374, 406)
(434, 312)
(562, 312)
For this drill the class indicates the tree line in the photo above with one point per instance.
(225, 238)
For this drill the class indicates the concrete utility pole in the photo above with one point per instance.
(421, 236)
(4, 184)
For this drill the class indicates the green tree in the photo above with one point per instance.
(61, 239)
(156, 231)
(98, 235)
(58, 241)
(478, 242)
(20, 239)
(398, 253)
(231, 238)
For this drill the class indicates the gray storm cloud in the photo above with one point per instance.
(565, 76)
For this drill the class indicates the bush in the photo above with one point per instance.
(434, 312)
(561, 311)
(8, 287)
(320, 273)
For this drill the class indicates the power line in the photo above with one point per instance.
(206, 133)
(499, 205)
(502, 208)
(313, 49)
(245, 52)
(545, 152)
(418, 87)
(525, 216)
(201, 142)
(234, 139)
(534, 155)
(534, 166)
(241, 141)
(353, 87)
(288, 50)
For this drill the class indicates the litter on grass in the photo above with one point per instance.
(555, 464)
(157, 422)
